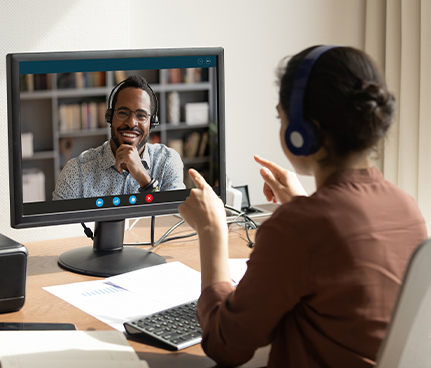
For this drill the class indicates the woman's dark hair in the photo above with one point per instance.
(136, 81)
(346, 95)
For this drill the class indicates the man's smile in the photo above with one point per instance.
(129, 136)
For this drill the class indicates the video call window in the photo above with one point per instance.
(63, 115)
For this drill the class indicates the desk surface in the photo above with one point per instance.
(43, 270)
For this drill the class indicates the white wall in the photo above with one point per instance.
(254, 34)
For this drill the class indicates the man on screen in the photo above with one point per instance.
(126, 163)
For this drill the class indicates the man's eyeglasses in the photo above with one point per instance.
(123, 114)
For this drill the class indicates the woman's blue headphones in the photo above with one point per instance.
(300, 135)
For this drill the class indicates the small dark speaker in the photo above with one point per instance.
(13, 274)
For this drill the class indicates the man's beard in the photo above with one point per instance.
(142, 142)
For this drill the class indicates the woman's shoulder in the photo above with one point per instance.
(351, 203)
(299, 215)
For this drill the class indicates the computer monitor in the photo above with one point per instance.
(57, 105)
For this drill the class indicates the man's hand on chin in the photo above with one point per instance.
(127, 158)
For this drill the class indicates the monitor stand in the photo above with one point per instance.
(108, 256)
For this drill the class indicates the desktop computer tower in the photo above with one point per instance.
(13, 274)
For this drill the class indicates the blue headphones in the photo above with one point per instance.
(300, 135)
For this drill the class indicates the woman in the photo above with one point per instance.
(325, 271)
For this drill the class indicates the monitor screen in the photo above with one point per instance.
(71, 119)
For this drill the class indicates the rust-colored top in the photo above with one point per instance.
(322, 280)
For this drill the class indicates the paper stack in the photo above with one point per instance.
(53, 349)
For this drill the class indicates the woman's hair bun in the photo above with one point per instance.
(374, 100)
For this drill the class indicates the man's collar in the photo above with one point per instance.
(108, 158)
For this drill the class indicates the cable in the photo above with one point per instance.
(247, 222)
(87, 231)
(247, 219)
(153, 220)
(164, 238)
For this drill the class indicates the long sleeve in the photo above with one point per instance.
(238, 321)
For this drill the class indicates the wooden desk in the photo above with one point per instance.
(43, 270)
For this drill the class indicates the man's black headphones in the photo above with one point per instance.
(300, 136)
(154, 120)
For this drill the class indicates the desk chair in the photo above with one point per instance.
(407, 343)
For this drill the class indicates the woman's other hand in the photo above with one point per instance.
(281, 185)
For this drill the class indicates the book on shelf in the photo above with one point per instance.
(35, 82)
(203, 144)
(89, 115)
(98, 79)
(29, 80)
(177, 145)
(119, 76)
(93, 116)
(81, 116)
(69, 117)
(175, 75)
(85, 115)
(195, 144)
(80, 80)
(42, 81)
(188, 75)
(193, 75)
(191, 145)
(90, 79)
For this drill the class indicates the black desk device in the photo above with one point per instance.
(13, 273)
(175, 328)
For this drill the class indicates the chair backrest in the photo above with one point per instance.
(407, 343)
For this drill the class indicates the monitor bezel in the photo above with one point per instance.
(18, 219)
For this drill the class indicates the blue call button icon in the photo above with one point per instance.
(99, 202)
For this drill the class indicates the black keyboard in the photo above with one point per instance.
(177, 327)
